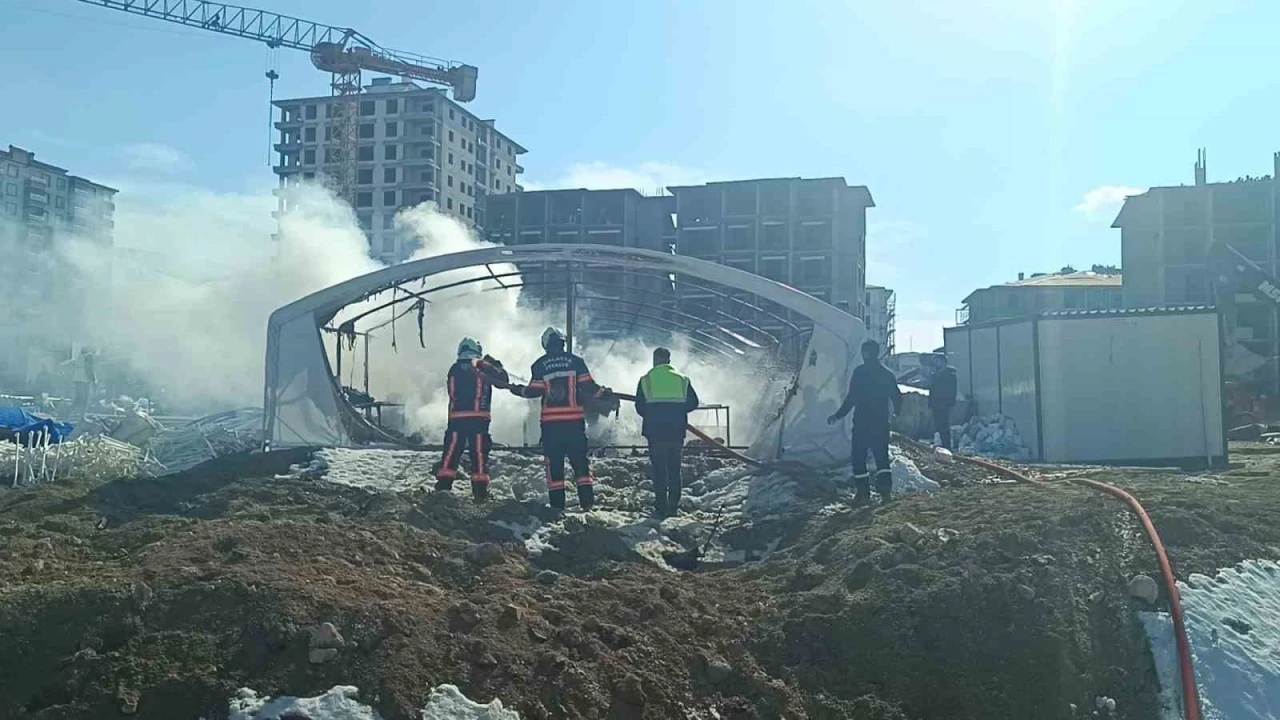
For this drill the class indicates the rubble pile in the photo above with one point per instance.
(994, 436)
(215, 436)
(96, 458)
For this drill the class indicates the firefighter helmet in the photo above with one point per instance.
(551, 335)
(469, 349)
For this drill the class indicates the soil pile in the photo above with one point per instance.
(161, 598)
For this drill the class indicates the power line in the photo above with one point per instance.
(19, 6)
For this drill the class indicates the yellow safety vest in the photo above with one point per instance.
(664, 385)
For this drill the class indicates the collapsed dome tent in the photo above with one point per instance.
(305, 406)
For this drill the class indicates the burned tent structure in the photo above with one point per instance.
(306, 406)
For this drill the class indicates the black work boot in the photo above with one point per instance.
(557, 499)
(884, 490)
(586, 496)
(861, 494)
(479, 492)
(444, 484)
(659, 508)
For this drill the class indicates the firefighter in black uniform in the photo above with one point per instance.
(563, 381)
(472, 379)
(872, 390)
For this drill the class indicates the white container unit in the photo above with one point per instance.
(1135, 387)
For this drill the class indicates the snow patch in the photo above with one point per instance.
(446, 702)
(1233, 623)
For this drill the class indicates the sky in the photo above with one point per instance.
(996, 136)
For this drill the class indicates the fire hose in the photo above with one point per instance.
(1186, 666)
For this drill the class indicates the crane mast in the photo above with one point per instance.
(344, 53)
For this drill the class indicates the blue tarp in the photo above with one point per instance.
(19, 425)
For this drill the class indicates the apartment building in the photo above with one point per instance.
(1165, 236)
(620, 218)
(41, 205)
(1043, 292)
(881, 317)
(415, 145)
(807, 233)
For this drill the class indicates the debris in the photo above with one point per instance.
(486, 554)
(909, 534)
(319, 656)
(993, 436)
(326, 636)
(548, 577)
(227, 433)
(1144, 588)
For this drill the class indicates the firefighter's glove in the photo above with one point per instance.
(517, 390)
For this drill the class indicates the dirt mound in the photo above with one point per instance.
(160, 598)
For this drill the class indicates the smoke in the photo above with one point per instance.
(183, 299)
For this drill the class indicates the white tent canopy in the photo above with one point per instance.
(304, 403)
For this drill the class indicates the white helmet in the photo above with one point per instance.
(551, 335)
(469, 349)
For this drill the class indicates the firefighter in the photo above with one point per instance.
(942, 398)
(873, 390)
(471, 381)
(563, 381)
(664, 399)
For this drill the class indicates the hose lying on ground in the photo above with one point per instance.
(1186, 667)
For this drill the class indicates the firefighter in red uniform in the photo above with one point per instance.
(562, 380)
(471, 381)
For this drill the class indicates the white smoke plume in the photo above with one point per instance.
(183, 299)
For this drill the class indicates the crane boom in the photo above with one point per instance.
(341, 51)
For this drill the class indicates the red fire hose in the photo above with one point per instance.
(1186, 667)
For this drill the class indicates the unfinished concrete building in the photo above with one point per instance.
(1040, 293)
(41, 205)
(807, 233)
(881, 318)
(415, 145)
(616, 218)
(1166, 235)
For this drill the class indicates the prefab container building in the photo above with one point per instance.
(1135, 386)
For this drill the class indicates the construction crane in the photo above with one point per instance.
(342, 52)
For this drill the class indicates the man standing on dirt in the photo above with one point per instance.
(471, 381)
(562, 380)
(942, 398)
(872, 390)
(664, 399)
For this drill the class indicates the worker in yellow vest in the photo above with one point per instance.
(664, 398)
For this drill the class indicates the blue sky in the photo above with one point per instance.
(995, 135)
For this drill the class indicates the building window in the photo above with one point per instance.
(329, 111)
(364, 199)
(308, 157)
(450, 136)
(11, 189)
(468, 211)
(427, 153)
(59, 202)
(389, 175)
(367, 108)
(451, 115)
(13, 171)
(365, 153)
(388, 221)
(311, 112)
(389, 198)
(425, 176)
(366, 131)
(309, 176)
(328, 133)
(62, 183)
(329, 155)
(774, 268)
(11, 209)
(309, 134)
(450, 181)
(392, 129)
(364, 177)
(448, 202)
(391, 152)
(451, 158)
(497, 163)
(393, 107)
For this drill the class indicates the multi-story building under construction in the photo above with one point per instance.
(42, 205)
(414, 145)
